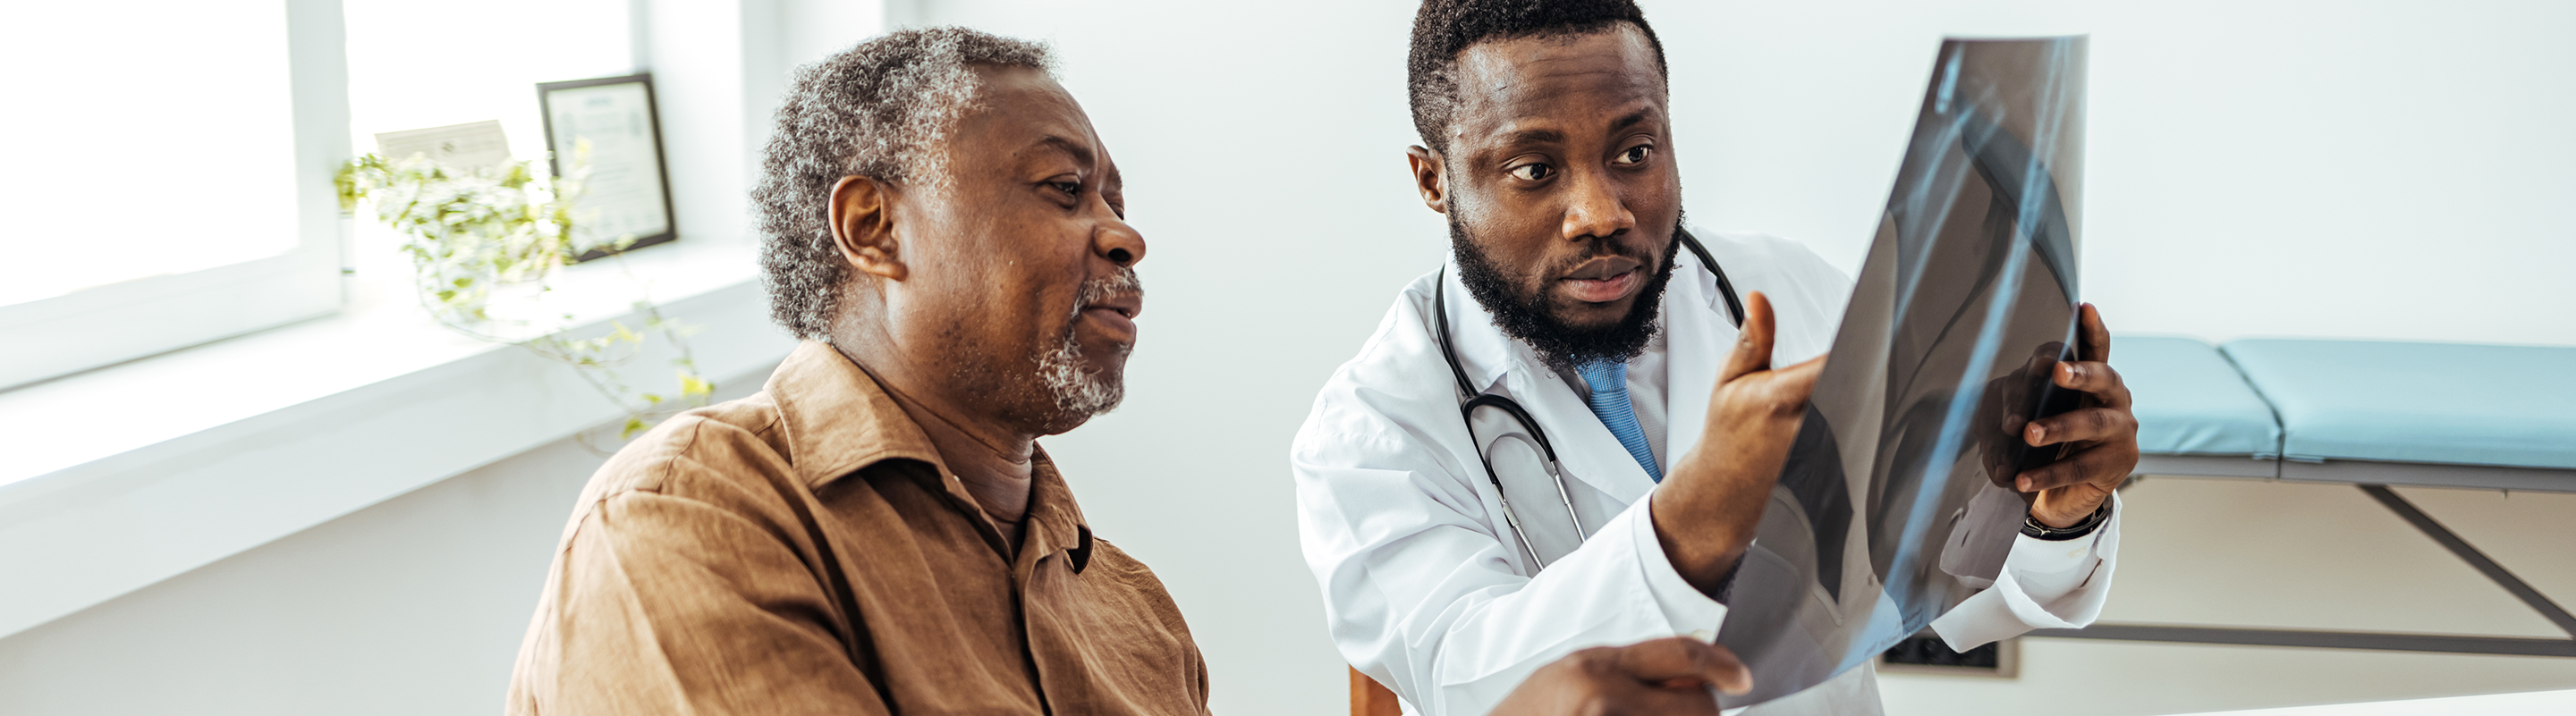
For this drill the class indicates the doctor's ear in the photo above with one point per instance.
(1426, 165)
(862, 219)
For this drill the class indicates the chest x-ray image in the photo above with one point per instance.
(1896, 501)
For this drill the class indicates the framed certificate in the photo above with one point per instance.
(628, 194)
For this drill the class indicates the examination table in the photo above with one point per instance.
(2368, 414)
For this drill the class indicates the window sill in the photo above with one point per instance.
(126, 475)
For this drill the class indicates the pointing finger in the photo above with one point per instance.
(1752, 350)
(1791, 386)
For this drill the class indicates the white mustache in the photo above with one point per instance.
(1101, 289)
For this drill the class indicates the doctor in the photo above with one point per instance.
(1575, 293)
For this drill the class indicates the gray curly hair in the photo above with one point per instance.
(881, 110)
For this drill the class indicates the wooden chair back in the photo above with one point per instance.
(1370, 699)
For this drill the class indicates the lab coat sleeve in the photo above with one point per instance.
(1689, 611)
(2044, 585)
(1419, 590)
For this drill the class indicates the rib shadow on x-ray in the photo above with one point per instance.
(1896, 503)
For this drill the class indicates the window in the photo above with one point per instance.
(173, 177)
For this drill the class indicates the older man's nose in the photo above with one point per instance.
(1118, 242)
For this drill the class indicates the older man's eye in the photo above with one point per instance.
(1070, 188)
(1635, 155)
(1533, 171)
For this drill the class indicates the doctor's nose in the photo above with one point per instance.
(1594, 208)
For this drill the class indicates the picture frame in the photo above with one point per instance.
(628, 191)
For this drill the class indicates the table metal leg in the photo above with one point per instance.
(2389, 641)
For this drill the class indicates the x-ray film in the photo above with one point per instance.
(1896, 502)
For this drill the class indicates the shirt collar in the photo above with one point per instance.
(839, 421)
(1054, 522)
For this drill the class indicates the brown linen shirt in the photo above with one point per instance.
(805, 551)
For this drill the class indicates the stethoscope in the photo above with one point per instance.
(1528, 432)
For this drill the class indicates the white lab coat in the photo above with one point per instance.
(1425, 587)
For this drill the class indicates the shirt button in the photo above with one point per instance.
(1703, 635)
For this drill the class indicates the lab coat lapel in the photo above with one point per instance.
(1697, 337)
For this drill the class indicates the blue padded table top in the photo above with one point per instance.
(2190, 401)
(2446, 403)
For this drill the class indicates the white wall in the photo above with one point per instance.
(2328, 169)
(412, 606)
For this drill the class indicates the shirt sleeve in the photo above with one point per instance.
(664, 605)
(2044, 585)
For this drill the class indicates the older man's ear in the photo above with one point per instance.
(862, 216)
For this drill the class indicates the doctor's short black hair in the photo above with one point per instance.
(1444, 28)
(880, 110)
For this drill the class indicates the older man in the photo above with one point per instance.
(877, 531)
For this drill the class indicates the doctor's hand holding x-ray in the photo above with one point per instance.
(1459, 554)
(1716, 491)
(1705, 511)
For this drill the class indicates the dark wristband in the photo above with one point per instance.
(2031, 526)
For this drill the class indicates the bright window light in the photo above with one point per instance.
(170, 176)
(414, 65)
(146, 142)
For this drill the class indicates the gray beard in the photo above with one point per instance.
(1080, 393)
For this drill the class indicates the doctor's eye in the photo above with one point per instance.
(1533, 171)
(1634, 155)
(1070, 188)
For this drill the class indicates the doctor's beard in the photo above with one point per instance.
(1081, 393)
(1524, 313)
